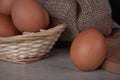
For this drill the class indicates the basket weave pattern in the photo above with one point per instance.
(29, 47)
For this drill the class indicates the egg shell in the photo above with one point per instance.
(28, 16)
(5, 6)
(47, 19)
(88, 50)
(7, 27)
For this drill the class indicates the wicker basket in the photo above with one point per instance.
(29, 47)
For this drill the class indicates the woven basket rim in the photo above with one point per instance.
(42, 33)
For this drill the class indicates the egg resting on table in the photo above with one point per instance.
(88, 50)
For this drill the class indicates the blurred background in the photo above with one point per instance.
(115, 5)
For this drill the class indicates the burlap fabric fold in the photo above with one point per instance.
(80, 15)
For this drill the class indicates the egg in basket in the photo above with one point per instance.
(25, 35)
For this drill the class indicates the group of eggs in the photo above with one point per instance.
(88, 50)
(17, 16)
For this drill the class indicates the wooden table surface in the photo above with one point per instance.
(58, 66)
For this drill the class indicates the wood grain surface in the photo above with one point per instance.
(112, 62)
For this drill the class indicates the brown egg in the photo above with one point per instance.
(47, 19)
(5, 6)
(88, 50)
(7, 27)
(29, 16)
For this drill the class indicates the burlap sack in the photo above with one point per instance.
(80, 15)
